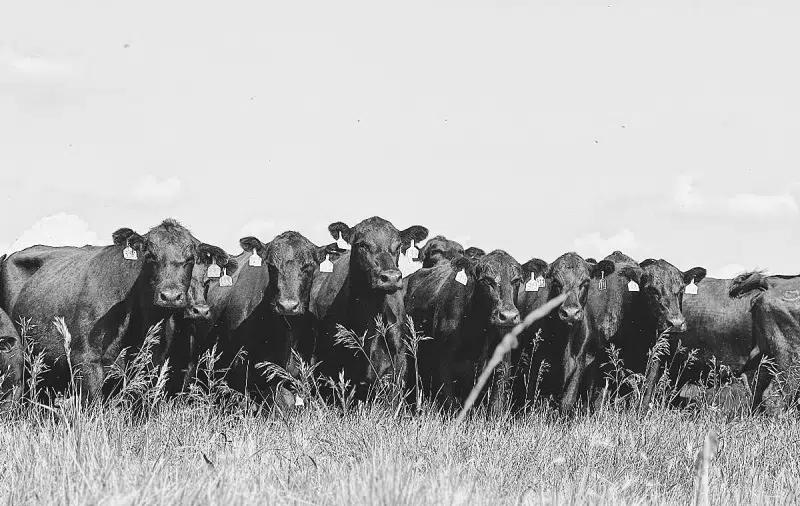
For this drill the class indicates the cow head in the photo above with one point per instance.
(169, 252)
(439, 250)
(11, 361)
(498, 276)
(569, 274)
(606, 307)
(663, 285)
(474, 253)
(292, 260)
(197, 307)
(377, 245)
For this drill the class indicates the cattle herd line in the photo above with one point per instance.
(289, 299)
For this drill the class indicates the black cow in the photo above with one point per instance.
(662, 285)
(775, 309)
(265, 312)
(532, 294)
(108, 301)
(474, 253)
(365, 284)
(439, 250)
(12, 362)
(466, 307)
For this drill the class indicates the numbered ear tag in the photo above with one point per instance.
(326, 265)
(633, 286)
(602, 284)
(129, 253)
(341, 243)
(541, 281)
(691, 288)
(225, 280)
(461, 277)
(533, 284)
(213, 270)
(412, 252)
(298, 401)
(255, 260)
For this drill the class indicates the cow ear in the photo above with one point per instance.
(645, 263)
(332, 251)
(465, 263)
(251, 243)
(127, 237)
(340, 228)
(230, 266)
(696, 273)
(591, 261)
(474, 252)
(632, 273)
(534, 265)
(603, 266)
(414, 233)
(7, 343)
(206, 253)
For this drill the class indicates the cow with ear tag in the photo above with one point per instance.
(12, 362)
(109, 297)
(366, 284)
(526, 363)
(265, 312)
(439, 250)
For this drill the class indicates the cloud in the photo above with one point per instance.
(741, 205)
(594, 245)
(58, 230)
(32, 65)
(151, 188)
(727, 271)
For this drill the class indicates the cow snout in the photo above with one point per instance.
(171, 298)
(200, 312)
(677, 324)
(288, 306)
(570, 315)
(390, 280)
(507, 317)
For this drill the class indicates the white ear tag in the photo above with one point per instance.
(602, 284)
(213, 270)
(691, 288)
(129, 253)
(541, 281)
(326, 265)
(533, 284)
(633, 286)
(341, 243)
(412, 252)
(225, 280)
(255, 260)
(298, 401)
(461, 277)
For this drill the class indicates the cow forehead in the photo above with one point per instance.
(376, 231)
(498, 263)
(662, 273)
(290, 246)
(569, 266)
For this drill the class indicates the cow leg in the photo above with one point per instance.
(653, 369)
(500, 388)
(446, 379)
(88, 376)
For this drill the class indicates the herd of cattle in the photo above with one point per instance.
(289, 299)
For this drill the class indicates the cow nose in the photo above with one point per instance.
(508, 317)
(171, 298)
(289, 305)
(677, 324)
(200, 312)
(391, 277)
(569, 314)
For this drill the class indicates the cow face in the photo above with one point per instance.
(498, 277)
(11, 361)
(169, 252)
(474, 253)
(197, 307)
(569, 274)
(439, 250)
(377, 245)
(606, 307)
(292, 260)
(663, 285)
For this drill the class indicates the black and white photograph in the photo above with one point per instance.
(399, 253)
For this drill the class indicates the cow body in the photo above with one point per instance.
(12, 363)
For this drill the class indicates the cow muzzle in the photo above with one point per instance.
(288, 307)
(198, 312)
(171, 298)
(389, 280)
(570, 315)
(676, 324)
(505, 317)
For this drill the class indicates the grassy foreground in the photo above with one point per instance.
(192, 453)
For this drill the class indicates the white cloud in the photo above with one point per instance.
(32, 64)
(594, 245)
(58, 230)
(742, 204)
(151, 188)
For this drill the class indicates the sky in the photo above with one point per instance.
(662, 129)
